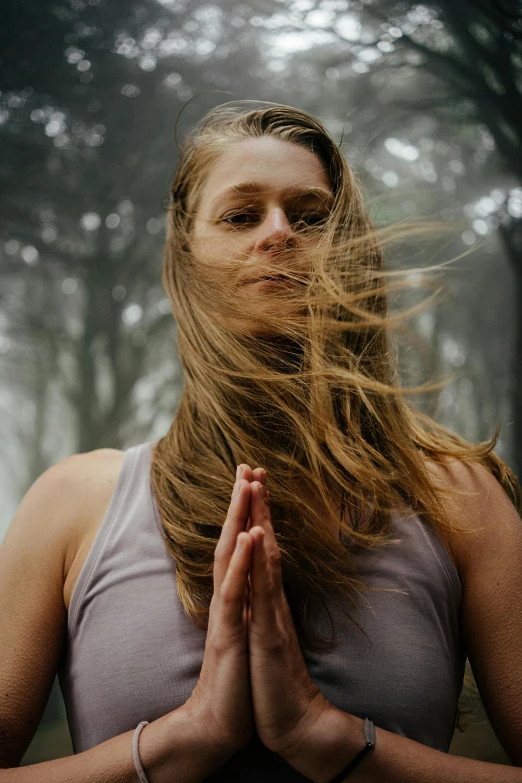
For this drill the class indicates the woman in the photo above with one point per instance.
(189, 648)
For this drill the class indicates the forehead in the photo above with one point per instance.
(276, 165)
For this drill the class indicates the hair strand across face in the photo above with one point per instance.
(310, 390)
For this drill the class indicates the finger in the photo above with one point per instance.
(232, 591)
(235, 522)
(244, 471)
(259, 474)
(263, 606)
(260, 513)
(260, 519)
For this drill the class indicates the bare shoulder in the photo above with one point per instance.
(64, 507)
(88, 481)
(74, 488)
(481, 506)
(69, 493)
(91, 478)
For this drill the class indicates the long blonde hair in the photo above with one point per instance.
(316, 401)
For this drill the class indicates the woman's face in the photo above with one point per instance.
(253, 207)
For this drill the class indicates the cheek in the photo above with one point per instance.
(221, 249)
(205, 251)
(219, 262)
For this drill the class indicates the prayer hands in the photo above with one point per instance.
(284, 698)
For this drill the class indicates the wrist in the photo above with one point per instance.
(176, 741)
(328, 745)
(201, 730)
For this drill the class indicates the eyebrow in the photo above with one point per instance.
(255, 188)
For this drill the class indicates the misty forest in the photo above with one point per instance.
(425, 101)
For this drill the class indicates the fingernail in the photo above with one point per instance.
(262, 492)
(263, 477)
(238, 472)
(236, 489)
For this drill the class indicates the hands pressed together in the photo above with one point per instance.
(253, 674)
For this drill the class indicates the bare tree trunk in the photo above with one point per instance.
(512, 238)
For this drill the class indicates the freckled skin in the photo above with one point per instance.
(281, 167)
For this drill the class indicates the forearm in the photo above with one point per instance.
(338, 737)
(170, 750)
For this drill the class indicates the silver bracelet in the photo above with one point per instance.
(136, 753)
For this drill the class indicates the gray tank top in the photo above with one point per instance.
(133, 655)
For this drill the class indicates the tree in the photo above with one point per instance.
(472, 53)
(88, 136)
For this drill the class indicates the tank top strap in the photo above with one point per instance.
(131, 491)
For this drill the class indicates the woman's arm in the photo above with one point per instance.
(33, 620)
(490, 569)
(338, 737)
(170, 751)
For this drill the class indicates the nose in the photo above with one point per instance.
(275, 231)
